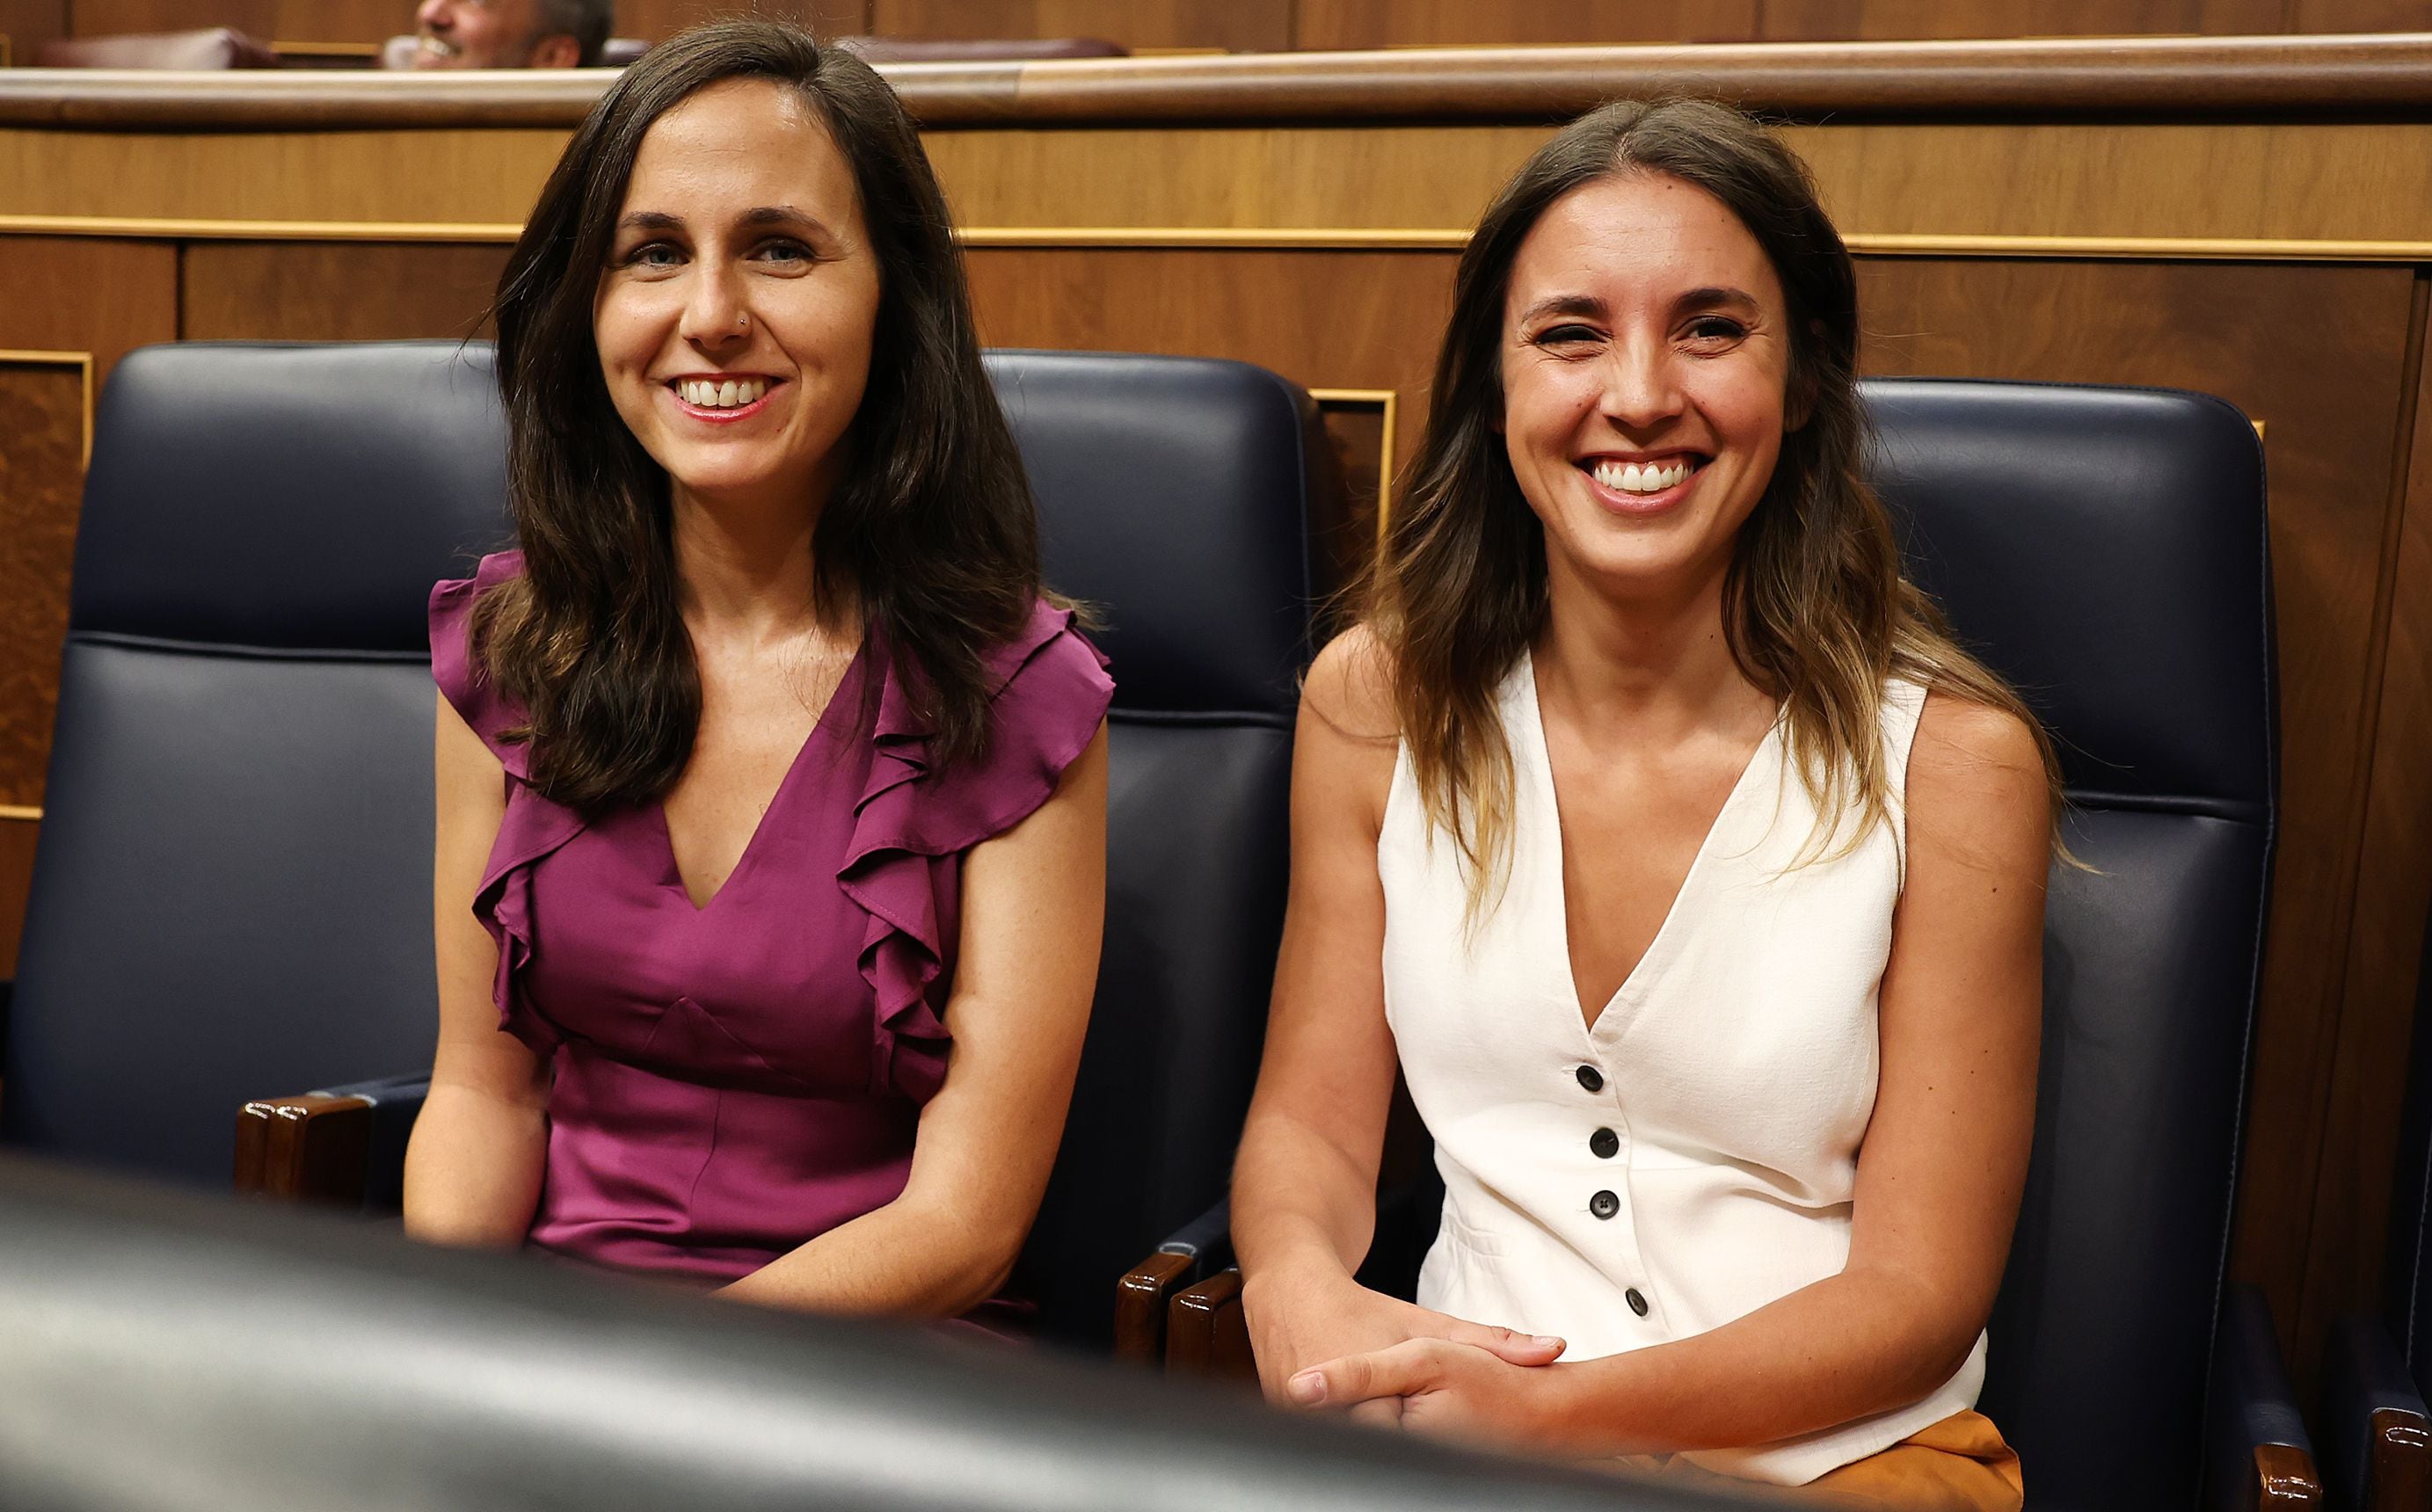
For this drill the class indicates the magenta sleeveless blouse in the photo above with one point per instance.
(732, 1081)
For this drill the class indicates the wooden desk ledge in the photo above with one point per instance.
(2277, 78)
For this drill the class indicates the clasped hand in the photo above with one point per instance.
(1339, 1347)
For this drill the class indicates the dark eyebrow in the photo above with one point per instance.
(1564, 305)
(760, 215)
(1717, 299)
(784, 215)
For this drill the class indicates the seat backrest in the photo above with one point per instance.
(212, 48)
(2407, 1274)
(1180, 497)
(2104, 549)
(231, 893)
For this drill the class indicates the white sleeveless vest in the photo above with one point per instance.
(1691, 1157)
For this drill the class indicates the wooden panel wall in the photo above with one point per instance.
(28, 24)
(1236, 26)
(661, 19)
(1902, 20)
(1347, 24)
(337, 291)
(1274, 25)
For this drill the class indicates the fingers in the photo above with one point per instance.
(1378, 1412)
(1505, 1345)
(1356, 1378)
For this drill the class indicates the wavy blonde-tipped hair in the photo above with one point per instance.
(1816, 607)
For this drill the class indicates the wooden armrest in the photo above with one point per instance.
(2402, 1460)
(308, 1149)
(2284, 1478)
(1205, 1333)
(1141, 1299)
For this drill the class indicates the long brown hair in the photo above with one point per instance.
(931, 528)
(1815, 608)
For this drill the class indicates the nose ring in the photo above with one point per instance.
(743, 323)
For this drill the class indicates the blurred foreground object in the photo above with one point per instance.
(166, 1351)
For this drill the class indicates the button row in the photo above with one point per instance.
(1604, 1144)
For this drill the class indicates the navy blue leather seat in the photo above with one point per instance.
(2104, 549)
(231, 899)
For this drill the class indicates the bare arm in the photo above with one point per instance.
(1033, 912)
(473, 1169)
(1938, 1180)
(1305, 1183)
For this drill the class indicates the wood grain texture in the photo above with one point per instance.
(2297, 78)
(658, 20)
(103, 297)
(1905, 20)
(1325, 320)
(16, 883)
(2346, 1223)
(1350, 23)
(42, 480)
(391, 176)
(2318, 353)
(1239, 25)
(364, 291)
(2360, 15)
(28, 24)
(112, 18)
(336, 21)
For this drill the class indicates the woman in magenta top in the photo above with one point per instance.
(771, 787)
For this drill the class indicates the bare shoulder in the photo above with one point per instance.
(1350, 687)
(1976, 779)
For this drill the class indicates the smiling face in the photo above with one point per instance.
(488, 34)
(1646, 360)
(735, 315)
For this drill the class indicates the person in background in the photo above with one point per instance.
(771, 784)
(511, 33)
(1692, 870)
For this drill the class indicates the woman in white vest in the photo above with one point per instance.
(1692, 869)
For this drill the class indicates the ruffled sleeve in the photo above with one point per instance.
(912, 825)
(532, 825)
(482, 703)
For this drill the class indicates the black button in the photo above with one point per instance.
(1591, 1078)
(1604, 1205)
(1605, 1143)
(1637, 1303)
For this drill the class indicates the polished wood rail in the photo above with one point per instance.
(2068, 78)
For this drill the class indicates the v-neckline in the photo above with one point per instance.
(1642, 967)
(784, 783)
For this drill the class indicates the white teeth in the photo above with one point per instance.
(714, 393)
(1632, 477)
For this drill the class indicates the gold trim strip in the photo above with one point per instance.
(2138, 248)
(204, 231)
(1391, 402)
(77, 360)
(1297, 238)
(1290, 238)
(20, 812)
